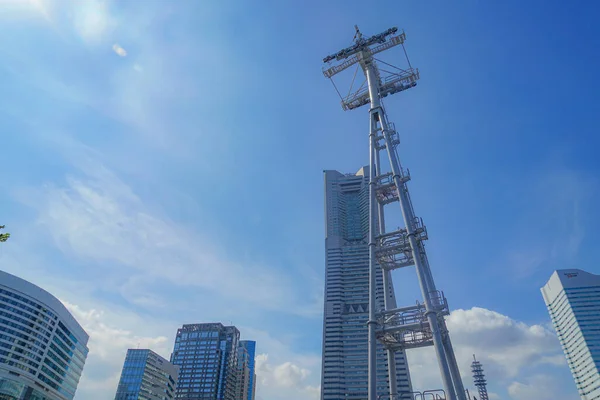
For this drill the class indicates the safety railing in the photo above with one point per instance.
(439, 302)
(437, 394)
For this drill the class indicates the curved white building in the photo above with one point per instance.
(42, 347)
(573, 300)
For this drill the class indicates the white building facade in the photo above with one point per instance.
(344, 365)
(42, 347)
(573, 300)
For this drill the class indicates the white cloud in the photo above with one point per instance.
(111, 334)
(540, 387)
(109, 343)
(281, 371)
(283, 378)
(510, 344)
(506, 348)
(313, 392)
(119, 50)
(289, 375)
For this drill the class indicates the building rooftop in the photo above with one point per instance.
(567, 278)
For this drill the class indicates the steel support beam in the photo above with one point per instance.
(372, 322)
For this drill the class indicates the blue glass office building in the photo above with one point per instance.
(42, 347)
(207, 357)
(147, 376)
(250, 347)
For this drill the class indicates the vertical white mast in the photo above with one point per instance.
(421, 325)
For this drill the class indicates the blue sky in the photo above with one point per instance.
(163, 165)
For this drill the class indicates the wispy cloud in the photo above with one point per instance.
(119, 50)
(111, 334)
(98, 218)
(110, 342)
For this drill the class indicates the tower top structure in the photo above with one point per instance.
(363, 52)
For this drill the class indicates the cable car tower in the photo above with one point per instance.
(422, 324)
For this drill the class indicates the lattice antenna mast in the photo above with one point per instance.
(406, 327)
(479, 379)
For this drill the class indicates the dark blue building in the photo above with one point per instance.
(207, 355)
(250, 347)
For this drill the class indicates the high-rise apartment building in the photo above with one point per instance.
(249, 347)
(147, 376)
(207, 357)
(573, 300)
(42, 347)
(344, 368)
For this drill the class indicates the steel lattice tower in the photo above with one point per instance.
(479, 379)
(421, 324)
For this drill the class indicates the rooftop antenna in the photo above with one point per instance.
(423, 324)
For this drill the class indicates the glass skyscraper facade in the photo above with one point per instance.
(207, 357)
(243, 373)
(344, 366)
(573, 300)
(42, 347)
(147, 376)
(249, 347)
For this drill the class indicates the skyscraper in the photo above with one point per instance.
(344, 366)
(42, 347)
(207, 357)
(573, 300)
(243, 373)
(250, 347)
(147, 376)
